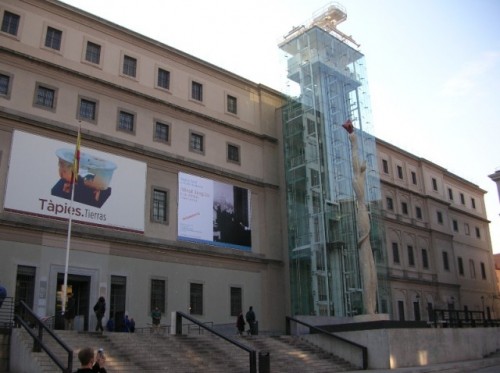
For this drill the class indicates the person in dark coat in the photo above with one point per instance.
(240, 323)
(69, 314)
(250, 316)
(100, 309)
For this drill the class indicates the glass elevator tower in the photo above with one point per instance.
(321, 206)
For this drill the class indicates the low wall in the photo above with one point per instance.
(399, 348)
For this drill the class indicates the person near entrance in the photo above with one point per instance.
(69, 314)
(3, 294)
(250, 316)
(100, 309)
(89, 363)
(156, 318)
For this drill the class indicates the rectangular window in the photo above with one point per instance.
(196, 299)
(88, 110)
(434, 184)
(196, 142)
(162, 132)
(163, 79)
(400, 172)
(460, 266)
(196, 91)
(385, 166)
(10, 23)
(158, 294)
(53, 38)
(45, 97)
(4, 85)
(466, 229)
(472, 268)
(455, 225)
(395, 253)
(390, 204)
(401, 310)
(450, 194)
(236, 301)
(425, 259)
(478, 232)
(440, 217)
(446, 263)
(483, 271)
(159, 206)
(414, 177)
(232, 104)
(93, 53)
(129, 66)
(462, 198)
(25, 286)
(404, 208)
(473, 203)
(418, 212)
(233, 153)
(126, 121)
(411, 256)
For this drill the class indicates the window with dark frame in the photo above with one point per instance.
(126, 121)
(425, 259)
(414, 177)
(466, 229)
(4, 84)
(93, 53)
(411, 256)
(53, 38)
(395, 253)
(385, 166)
(434, 184)
(472, 269)
(158, 295)
(88, 109)
(400, 172)
(478, 232)
(129, 66)
(196, 142)
(163, 79)
(162, 132)
(10, 23)
(462, 198)
(197, 91)
(483, 271)
(390, 204)
(404, 208)
(232, 104)
(196, 299)
(418, 212)
(159, 208)
(455, 225)
(446, 263)
(473, 203)
(450, 194)
(233, 153)
(45, 97)
(460, 266)
(236, 301)
(440, 217)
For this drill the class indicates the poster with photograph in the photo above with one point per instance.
(213, 212)
(109, 190)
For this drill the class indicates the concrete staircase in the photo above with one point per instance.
(145, 352)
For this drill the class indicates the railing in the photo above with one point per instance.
(33, 324)
(7, 314)
(313, 329)
(251, 352)
(460, 319)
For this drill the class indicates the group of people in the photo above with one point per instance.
(250, 319)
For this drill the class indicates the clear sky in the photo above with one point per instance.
(433, 65)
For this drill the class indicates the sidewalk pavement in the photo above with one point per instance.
(485, 365)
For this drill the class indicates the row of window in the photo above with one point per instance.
(400, 173)
(425, 261)
(129, 65)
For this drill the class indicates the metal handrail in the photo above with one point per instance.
(252, 353)
(38, 343)
(364, 350)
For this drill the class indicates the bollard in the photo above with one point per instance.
(264, 362)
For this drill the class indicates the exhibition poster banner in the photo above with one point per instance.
(213, 212)
(109, 192)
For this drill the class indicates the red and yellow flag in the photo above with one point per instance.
(76, 159)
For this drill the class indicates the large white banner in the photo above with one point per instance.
(213, 212)
(110, 190)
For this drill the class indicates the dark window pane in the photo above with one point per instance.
(10, 23)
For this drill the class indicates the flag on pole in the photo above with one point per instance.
(76, 159)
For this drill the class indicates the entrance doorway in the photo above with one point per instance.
(79, 286)
(117, 301)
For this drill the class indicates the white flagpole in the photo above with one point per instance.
(70, 220)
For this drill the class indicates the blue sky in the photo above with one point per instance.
(433, 65)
